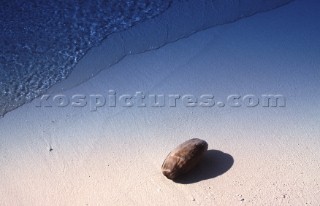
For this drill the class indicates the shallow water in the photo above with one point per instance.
(42, 40)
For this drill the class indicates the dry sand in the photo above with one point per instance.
(113, 156)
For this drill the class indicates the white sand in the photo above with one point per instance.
(113, 156)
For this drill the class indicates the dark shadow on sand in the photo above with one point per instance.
(213, 164)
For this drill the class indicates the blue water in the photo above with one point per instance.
(42, 40)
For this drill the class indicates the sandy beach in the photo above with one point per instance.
(113, 155)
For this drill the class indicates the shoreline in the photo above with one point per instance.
(152, 34)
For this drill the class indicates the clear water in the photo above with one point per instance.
(42, 40)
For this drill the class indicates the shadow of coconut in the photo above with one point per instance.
(213, 164)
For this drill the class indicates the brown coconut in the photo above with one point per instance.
(183, 158)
